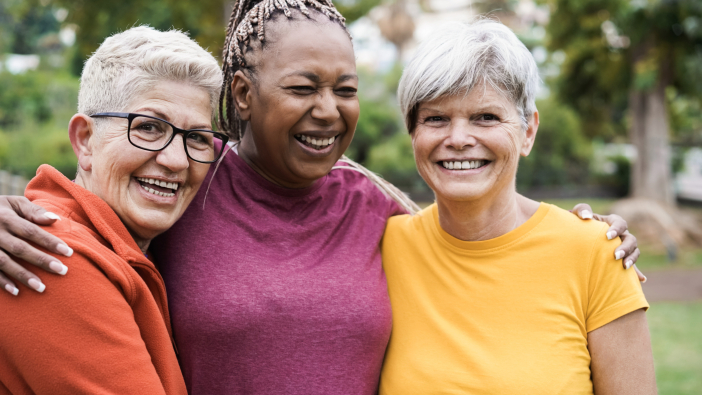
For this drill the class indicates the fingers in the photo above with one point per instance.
(582, 210)
(30, 211)
(16, 271)
(617, 226)
(642, 278)
(628, 250)
(13, 228)
(8, 285)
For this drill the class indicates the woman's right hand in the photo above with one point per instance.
(19, 220)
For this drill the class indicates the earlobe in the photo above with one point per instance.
(81, 131)
(530, 136)
(241, 90)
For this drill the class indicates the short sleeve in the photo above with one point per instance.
(612, 290)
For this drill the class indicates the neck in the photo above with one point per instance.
(84, 181)
(487, 217)
(247, 152)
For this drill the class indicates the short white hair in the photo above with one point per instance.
(462, 56)
(130, 63)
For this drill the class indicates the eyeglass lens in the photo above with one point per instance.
(152, 134)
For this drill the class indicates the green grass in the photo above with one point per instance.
(676, 336)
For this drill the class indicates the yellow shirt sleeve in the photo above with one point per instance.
(613, 291)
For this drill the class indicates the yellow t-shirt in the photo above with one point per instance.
(508, 315)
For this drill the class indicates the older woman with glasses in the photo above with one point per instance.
(106, 329)
(492, 292)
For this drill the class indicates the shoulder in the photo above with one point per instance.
(410, 226)
(568, 224)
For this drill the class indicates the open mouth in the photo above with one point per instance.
(464, 165)
(317, 143)
(158, 187)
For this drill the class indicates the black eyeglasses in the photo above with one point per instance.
(154, 134)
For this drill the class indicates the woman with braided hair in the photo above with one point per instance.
(274, 275)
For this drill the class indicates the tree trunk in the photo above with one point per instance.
(651, 176)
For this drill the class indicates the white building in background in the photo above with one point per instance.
(688, 183)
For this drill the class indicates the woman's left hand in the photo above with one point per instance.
(628, 251)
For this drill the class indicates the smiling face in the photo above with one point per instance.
(149, 191)
(303, 109)
(467, 147)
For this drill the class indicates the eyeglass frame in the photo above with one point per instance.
(129, 116)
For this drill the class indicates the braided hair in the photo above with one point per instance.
(245, 15)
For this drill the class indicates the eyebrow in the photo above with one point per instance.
(316, 79)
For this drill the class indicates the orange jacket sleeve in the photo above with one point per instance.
(78, 337)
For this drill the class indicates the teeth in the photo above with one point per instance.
(170, 185)
(320, 143)
(464, 165)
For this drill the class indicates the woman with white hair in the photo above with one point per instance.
(492, 292)
(143, 141)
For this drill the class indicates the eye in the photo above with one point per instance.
(302, 89)
(346, 91)
(433, 119)
(488, 117)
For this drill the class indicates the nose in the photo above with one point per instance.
(325, 108)
(173, 157)
(460, 135)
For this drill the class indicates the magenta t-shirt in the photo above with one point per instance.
(279, 291)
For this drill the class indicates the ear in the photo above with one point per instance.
(528, 142)
(242, 92)
(81, 131)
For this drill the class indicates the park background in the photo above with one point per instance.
(620, 106)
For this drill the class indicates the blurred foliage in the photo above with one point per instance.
(614, 47)
(34, 114)
(381, 142)
(561, 153)
(204, 20)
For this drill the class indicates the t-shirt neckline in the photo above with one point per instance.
(251, 174)
(490, 244)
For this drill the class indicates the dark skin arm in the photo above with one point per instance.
(20, 220)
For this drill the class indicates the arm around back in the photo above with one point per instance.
(78, 337)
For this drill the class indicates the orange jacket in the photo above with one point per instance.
(104, 327)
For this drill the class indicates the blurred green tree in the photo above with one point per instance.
(204, 20)
(561, 153)
(621, 57)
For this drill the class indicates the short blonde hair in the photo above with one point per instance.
(130, 63)
(461, 56)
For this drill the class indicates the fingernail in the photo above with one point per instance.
(58, 267)
(628, 263)
(619, 254)
(13, 290)
(611, 234)
(65, 250)
(51, 215)
(645, 279)
(586, 214)
(36, 284)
